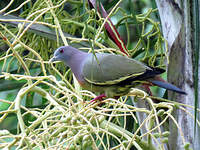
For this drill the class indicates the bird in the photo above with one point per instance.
(110, 75)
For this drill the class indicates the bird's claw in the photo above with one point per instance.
(100, 98)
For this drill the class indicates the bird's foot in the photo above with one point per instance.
(147, 88)
(100, 98)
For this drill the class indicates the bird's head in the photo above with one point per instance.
(63, 53)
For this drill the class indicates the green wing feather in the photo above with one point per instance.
(108, 69)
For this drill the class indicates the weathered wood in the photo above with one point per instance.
(176, 19)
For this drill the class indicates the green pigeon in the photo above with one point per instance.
(110, 75)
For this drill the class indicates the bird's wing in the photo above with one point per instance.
(108, 69)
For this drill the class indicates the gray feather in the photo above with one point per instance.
(108, 69)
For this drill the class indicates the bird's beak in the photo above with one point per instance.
(52, 59)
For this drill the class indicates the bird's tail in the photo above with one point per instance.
(168, 86)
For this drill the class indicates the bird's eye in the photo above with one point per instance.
(62, 50)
